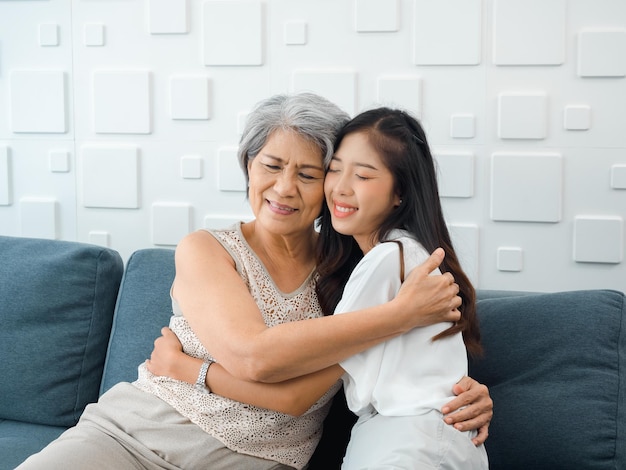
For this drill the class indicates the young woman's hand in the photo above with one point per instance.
(477, 411)
(433, 299)
(169, 360)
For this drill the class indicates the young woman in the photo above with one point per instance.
(382, 219)
(382, 198)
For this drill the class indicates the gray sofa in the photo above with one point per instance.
(75, 322)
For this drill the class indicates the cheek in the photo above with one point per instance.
(329, 183)
(314, 199)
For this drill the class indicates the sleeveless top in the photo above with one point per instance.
(244, 428)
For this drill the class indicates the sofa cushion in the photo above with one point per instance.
(143, 308)
(19, 440)
(58, 300)
(554, 364)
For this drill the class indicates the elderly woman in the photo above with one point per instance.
(245, 297)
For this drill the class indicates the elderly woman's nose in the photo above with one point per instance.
(285, 183)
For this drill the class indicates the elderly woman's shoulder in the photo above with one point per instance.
(196, 244)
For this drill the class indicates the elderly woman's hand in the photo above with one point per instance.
(169, 360)
(477, 411)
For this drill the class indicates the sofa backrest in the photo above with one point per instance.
(143, 308)
(555, 365)
(57, 308)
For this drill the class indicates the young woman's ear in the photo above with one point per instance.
(398, 201)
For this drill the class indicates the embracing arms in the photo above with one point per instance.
(471, 409)
(225, 317)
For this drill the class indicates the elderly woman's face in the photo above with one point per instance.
(286, 183)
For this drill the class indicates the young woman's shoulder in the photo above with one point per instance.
(414, 252)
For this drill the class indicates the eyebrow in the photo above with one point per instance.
(306, 166)
(363, 165)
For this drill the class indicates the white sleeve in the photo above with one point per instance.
(375, 280)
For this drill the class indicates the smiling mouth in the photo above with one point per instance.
(280, 207)
(344, 209)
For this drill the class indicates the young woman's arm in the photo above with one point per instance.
(220, 309)
(293, 396)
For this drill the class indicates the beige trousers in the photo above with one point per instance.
(131, 429)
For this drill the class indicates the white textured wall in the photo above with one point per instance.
(119, 119)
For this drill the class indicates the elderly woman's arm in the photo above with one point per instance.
(295, 396)
(218, 306)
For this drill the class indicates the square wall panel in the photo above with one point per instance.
(618, 177)
(38, 218)
(402, 92)
(99, 237)
(59, 160)
(190, 97)
(229, 174)
(602, 53)
(577, 118)
(93, 35)
(447, 32)
(232, 32)
(295, 33)
(522, 115)
(455, 173)
(376, 16)
(191, 167)
(529, 32)
(336, 86)
(38, 101)
(170, 222)
(526, 187)
(598, 239)
(48, 34)
(5, 177)
(462, 126)
(510, 259)
(110, 177)
(167, 16)
(121, 102)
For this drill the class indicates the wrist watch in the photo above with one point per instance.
(201, 380)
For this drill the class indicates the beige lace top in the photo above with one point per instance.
(244, 428)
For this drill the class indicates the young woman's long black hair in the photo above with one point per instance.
(401, 143)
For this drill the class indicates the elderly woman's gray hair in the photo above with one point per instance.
(311, 116)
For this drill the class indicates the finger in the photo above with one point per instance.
(463, 385)
(432, 262)
(455, 315)
(474, 423)
(481, 437)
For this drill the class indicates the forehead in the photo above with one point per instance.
(289, 146)
(358, 148)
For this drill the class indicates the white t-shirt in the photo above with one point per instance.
(407, 375)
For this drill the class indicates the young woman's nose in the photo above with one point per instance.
(342, 185)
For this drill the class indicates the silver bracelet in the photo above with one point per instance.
(201, 380)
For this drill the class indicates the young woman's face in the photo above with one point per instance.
(359, 190)
(286, 184)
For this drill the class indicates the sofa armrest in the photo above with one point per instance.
(555, 365)
(58, 299)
